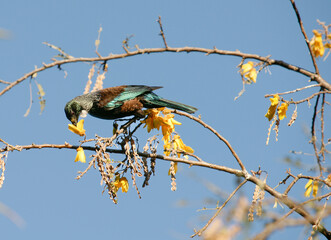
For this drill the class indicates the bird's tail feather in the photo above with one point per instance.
(161, 102)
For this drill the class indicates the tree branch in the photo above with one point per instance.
(198, 120)
(239, 173)
(267, 60)
(305, 36)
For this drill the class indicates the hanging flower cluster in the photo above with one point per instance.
(172, 143)
(318, 43)
(248, 72)
(281, 110)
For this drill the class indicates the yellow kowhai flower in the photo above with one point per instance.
(153, 120)
(167, 125)
(316, 44)
(327, 45)
(80, 156)
(273, 107)
(311, 186)
(177, 145)
(252, 75)
(246, 67)
(249, 72)
(121, 183)
(79, 129)
(282, 111)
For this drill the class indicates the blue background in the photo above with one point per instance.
(40, 185)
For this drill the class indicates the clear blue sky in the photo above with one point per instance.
(40, 185)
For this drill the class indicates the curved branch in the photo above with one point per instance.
(267, 60)
(198, 120)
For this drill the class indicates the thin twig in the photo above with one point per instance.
(162, 32)
(4, 82)
(322, 149)
(292, 91)
(313, 136)
(310, 97)
(305, 36)
(219, 210)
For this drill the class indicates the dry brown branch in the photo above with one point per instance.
(267, 60)
(198, 120)
(239, 173)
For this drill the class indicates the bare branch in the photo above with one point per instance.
(162, 32)
(292, 91)
(267, 60)
(305, 36)
(198, 120)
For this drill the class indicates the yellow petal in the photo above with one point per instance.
(252, 75)
(80, 156)
(282, 111)
(316, 33)
(271, 112)
(188, 149)
(80, 124)
(246, 67)
(275, 100)
(166, 111)
(315, 188)
(272, 109)
(124, 184)
(121, 183)
(308, 188)
(79, 129)
(317, 45)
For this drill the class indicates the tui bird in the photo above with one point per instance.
(118, 102)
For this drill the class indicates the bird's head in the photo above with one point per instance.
(73, 109)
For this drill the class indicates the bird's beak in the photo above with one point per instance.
(74, 120)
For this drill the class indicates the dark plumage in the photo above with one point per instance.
(118, 102)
